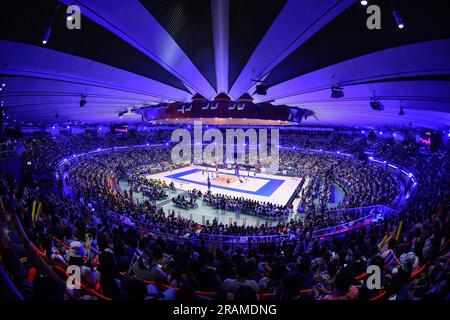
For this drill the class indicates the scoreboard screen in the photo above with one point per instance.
(430, 139)
(119, 129)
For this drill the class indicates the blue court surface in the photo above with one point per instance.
(264, 187)
(266, 190)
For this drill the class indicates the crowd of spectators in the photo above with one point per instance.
(121, 262)
(187, 201)
(44, 152)
(246, 206)
(364, 184)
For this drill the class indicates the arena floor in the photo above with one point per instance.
(262, 187)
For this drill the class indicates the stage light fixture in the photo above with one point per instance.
(49, 28)
(364, 2)
(337, 92)
(46, 35)
(375, 104)
(261, 88)
(398, 19)
(83, 101)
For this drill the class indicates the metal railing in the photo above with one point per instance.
(200, 238)
(367, 216)
(364, 216)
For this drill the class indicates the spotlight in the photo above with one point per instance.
(398, 19)
(83, 101)
(46, 35)
(363, 2)
(3, 84)
(376, 105)
(337, 92)
(402, 112)
(69, 17)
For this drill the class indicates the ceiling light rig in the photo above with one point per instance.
(336, 91)
(398, 19)
(376, 104)
(48, 31)
(83, 101)
(222, 110)
(261, 88)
